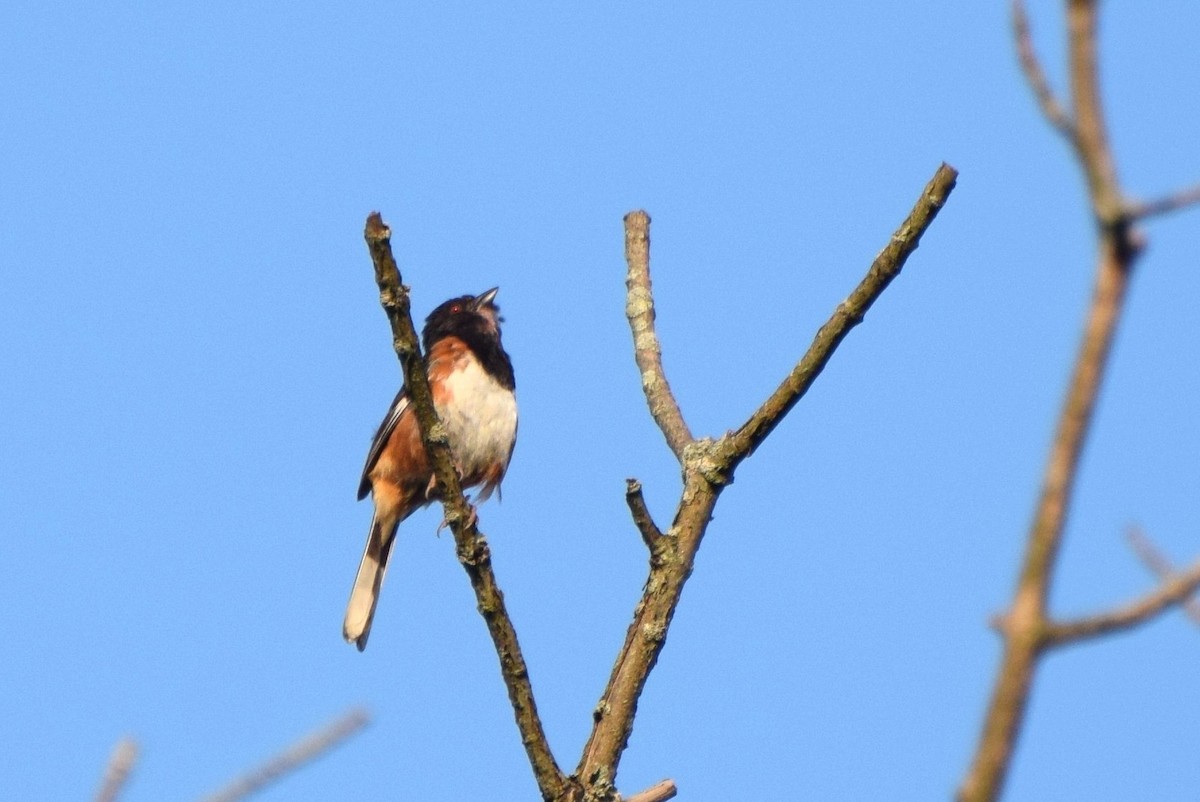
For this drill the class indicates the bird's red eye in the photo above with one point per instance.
(456, 308)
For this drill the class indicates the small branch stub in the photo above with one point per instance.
(651, 534)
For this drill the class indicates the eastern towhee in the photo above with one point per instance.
(471, 378)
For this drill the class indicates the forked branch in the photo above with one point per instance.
(708, 467)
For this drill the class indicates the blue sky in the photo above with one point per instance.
(196, 361)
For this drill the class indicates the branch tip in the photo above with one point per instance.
(639, 219)
(847, 315)
(647, 350)
(376, 230)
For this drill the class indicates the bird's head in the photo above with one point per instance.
(468, 317)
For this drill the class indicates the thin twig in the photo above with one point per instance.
(116, 773)
(1165, 205)
(647, 351)
(1095, 154)
(849, 313)
(707, 468)
(1031, 67)
(292, 758)
(1160, 566)
(659, 792)
(470, 544)
(641, 514)
(1174, 590)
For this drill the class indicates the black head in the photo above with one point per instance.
(467, 317)
(474, 319)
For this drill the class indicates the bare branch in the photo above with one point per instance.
(470, 544)
(1175, 590)
(1170, 203)
(1035, 76)
(1027, 619)
(647, 351)
(1026, 624)
(1088, 138)
(707, 468)
(295, 756)
(660, 792)
(641, 514)
(116, 773)
(849, 313)
(1159, 566)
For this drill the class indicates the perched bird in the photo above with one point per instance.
(471, 378)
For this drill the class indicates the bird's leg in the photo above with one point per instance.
(472, 516)
(431, 488)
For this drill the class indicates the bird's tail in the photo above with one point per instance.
(360, 612)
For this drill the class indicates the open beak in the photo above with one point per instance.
(485, 299)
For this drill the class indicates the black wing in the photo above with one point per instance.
(381, 437)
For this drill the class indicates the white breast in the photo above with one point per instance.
(475, 397)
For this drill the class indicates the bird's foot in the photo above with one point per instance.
(472, 519)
